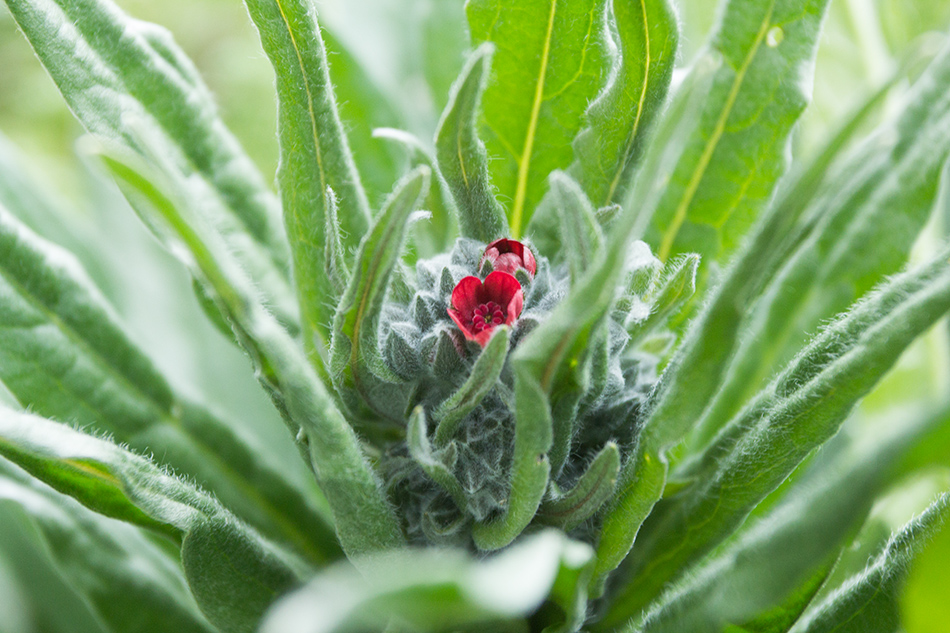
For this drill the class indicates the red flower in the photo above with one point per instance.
(510, 255)
(477, 308)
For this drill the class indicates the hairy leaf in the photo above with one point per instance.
(550, 62)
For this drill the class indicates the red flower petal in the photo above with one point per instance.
(510, 255)
(473, 299)
(467, 296)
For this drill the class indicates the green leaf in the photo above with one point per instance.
(581, 237)
(129, 581)
(355, 360)
(739, 146)
(550, 62)
(233, 590)
(438, 590)
(363, 518)
(480, 382)
(421, 451)
(802, 408)
(771, 570)
(922, 606)
(463, 160)
(12, 602)
(619, 120)
(870, 600)
(117, 74)
(672, 290)
(64, 355)
(856, 240)
(597, 484)
(314, 155)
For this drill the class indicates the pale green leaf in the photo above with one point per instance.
(870, 600)
(463, 160)
(364, 519)
(233, 572)
(739, 146)
(439, 590)
(550, 62)
(581, 236)
(620, 119)
(314, 155)
(128, 581)
(64, 355)
(800, 410)
(118, 73)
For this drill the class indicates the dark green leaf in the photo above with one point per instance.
(870, 600)
(592, 490)
(739, 146)
(64, 354)
(421, 451)
(462, 156)
(619, 120)
(550, 63)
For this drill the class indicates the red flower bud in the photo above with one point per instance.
(479, 307)
(510, 255)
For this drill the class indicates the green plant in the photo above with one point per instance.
(516, 417)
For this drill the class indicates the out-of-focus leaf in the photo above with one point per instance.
(64, 355)
(800, 410)
(674, 288)
(130, 582)
(870, 600)
(116, 72)
(862, 232)
(922, 604)
(463, 160)
(233, 572)
(438, 590)
(364, 519)
(765, 576)
(364, 106)
(739, 146)
(581, 237)
(620, 119)
(550, 62)
(13, 614)
(444, 45)
(314, 155)
(355, 360)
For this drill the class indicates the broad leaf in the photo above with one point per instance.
(550, 62)
(64, 355)
(363, 518)
(233, 572)
(800, 410)
(870, 600)
(116, 72)
(620, 119)
(441, 590)
(130, 582)
(739, 146)
(314, 155)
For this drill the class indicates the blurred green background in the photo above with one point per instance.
(406, 46)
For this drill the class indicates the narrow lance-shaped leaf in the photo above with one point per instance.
(64, 355)
(480, 382)
(115, 72)
(364, 520)
(870, 599)
(355, 359)
(581, 236)
(619, 120)
(550, 62)
(772, 569)
(596, 485)
(463, 160)
(233, 572)
(739, 147)
(801, 409)
(314, 155)
(129, 581)
(421, 451)
(857, 239)
(673, 289)
(437, 590)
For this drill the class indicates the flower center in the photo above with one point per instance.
(487, 316)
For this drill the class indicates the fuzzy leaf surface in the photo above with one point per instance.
(233, 585)
(800, 410)
(550, 62)
(739, 146)
(64, 354)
